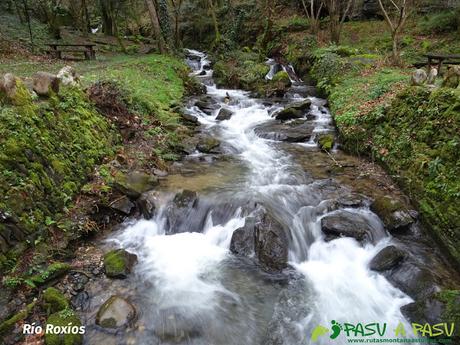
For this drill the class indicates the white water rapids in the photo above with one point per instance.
(196, 274)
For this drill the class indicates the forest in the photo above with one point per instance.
(228, 172)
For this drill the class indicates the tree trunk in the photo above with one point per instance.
(87, 24)
(155, 25)
(107, 17)
(214, 20)
(396, 54)
(26, 11)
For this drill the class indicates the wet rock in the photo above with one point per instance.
(419, 77)
(440, 307)
(207, 105)
(134, 183)
(346, 224)
(294, 111)
(81, 301)
(116, 312)
(188, 145)
(118, 263)
(54, 300)
(122, 205)
(243, 239)
(45, 83)
(290, 132)
(68, 76)
(224, 114)
(179, 212)
(386, 259)
(394, 215)
(292, 305)
(175, 325)
(189, 117)
(416, 281)
(271, 244)
(208, 144)
(146, 206)
(60, 319)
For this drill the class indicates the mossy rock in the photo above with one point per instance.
(116, 312)
(393, 213)
(208, 144)
(282, 76)
(326, 142)
(53, 271)
(54, 300)
(66, 318)
(118, 263)
(135, 183)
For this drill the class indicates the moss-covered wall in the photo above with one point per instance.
(47, 150)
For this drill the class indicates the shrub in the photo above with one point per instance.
(440, 23)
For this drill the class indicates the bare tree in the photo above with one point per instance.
(337, 16)
(396, 13)
(156, 25)
(313, 13)
(177, 5)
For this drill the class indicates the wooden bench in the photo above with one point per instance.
(439, 59)
(56, 49)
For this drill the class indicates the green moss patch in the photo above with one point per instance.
(54, 300)
(63, 318)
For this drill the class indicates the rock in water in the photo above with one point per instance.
(419, 77)
(347, 224)
(243, 239)
(175, 325)
(271, 244)
(208, 144)
(68, 76)
(386, 259)
(394, 215)
(116, 312)
(45, 83)
(224, 114)
(180, 211)
(119, 263)
(294, 111)
(134, 183)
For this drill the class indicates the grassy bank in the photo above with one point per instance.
(50, 148)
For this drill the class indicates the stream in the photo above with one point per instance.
(191, 288)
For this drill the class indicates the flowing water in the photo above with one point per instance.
(189, 287)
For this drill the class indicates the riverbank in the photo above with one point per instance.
(69, 159)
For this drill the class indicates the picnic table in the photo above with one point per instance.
(56, 49)
(439, 59)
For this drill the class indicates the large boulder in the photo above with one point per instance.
(242, 242)
(411, 278)
(8, 83)
(135, 183)
(208, 144)
(224, 114)
(388, 258)
(13, 90)
(271, 244)
(393, 213)
(294, 111)
(347, 224)
(180, 213)
(122, 205)
(294, 131)
(44, 83)
(207, 105)
(146, 205)
(118, 263)
(116, 312)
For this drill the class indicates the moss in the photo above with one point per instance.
(282, 76)
(54, 300)
(118, 263)
(53, 271)
(452, 300)
(326, 142)
(8, 324)
(65, 317)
